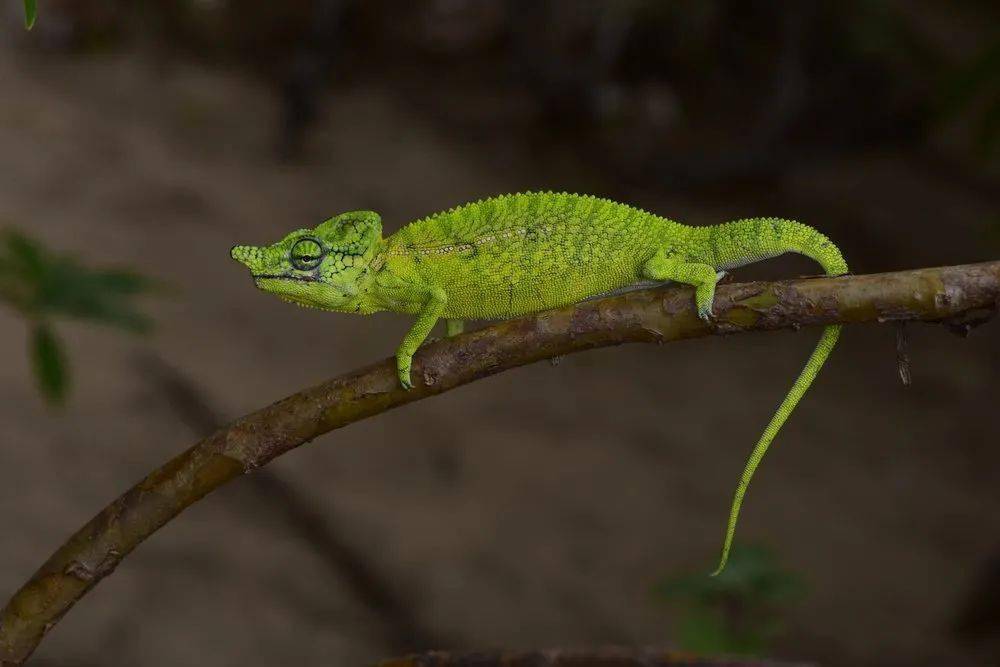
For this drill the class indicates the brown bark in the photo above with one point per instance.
(958, 296)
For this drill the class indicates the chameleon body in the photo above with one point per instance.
(517, 254)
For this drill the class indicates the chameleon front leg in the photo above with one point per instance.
(702, 276)
(453, 327)
(434, 303)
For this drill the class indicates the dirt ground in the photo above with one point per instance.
(535, 509)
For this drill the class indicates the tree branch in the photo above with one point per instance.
(959, 296)
(402, 628)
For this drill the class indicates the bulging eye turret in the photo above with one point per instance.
(306, 253)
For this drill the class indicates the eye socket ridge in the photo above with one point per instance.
(306, 253)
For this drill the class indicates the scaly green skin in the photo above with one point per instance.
(518, 254)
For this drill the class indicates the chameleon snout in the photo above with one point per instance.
(244, 254)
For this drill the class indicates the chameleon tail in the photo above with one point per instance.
(772, 237)
(806, 377)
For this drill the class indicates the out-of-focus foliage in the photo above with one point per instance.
(737, 612)
(30, 13)
(43, 286)
(49, 363)
(762, 85)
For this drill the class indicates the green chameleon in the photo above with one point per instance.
(523, 253)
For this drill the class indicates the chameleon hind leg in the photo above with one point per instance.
(453, 327)
(702, 276)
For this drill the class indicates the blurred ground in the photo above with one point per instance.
(530, 510)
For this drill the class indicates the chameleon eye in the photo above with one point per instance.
(306, 253)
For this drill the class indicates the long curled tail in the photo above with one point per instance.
(755, 239)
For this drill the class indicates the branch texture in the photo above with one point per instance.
(958, 296)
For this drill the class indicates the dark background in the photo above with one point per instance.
(540, 508)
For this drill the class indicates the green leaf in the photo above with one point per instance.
(24, 254)
(43, 285)
(753, 576)
(702, 630)
(740, 611)
(124, 282)
(97, 296)
(30, 13)
(22, 271)
(49, 364)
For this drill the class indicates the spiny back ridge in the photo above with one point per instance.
(514, 198)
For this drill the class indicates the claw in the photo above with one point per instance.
(404, 378)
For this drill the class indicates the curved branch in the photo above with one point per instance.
(960, 296)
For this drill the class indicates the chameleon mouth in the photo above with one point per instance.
(300, 279)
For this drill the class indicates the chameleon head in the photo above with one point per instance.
(326, 267)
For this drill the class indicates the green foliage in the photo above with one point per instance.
(42, 287)
(736, 612)
(30, 13)
(49, 363)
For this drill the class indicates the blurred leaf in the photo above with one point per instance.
(49, 364)
(124, 282)
(703, 630)
(30, 13)
(24, 250)
(752, 574)
(21, 270)
(44, 285)
(738, 611)
(706, 630)
(98, 296)
(24, 257)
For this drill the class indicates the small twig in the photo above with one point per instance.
(651, 316)
(903, 354)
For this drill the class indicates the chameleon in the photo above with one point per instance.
(518, 254)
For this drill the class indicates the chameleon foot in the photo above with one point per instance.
(403, 370)
(704, 307)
